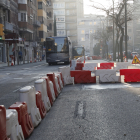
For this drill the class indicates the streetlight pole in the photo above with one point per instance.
(114, 58)
(126, 29)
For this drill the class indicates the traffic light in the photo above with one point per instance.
(1, 31)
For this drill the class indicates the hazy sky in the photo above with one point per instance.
(88, 9)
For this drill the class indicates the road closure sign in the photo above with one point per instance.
(135, 60)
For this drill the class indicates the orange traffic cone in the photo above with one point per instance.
(12, 62)
(30, 60)
(35, 59)
(125, 59)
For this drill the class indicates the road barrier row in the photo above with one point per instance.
(19, 120)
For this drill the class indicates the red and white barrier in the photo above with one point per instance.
(24, 118)
(60, 80)
(90, 66)
(27, 94)
(122, 65)
(66, 75)
(57, 85)
(3, 128)
(73, 64)
(40, 85)
(13, 129)
(52, 90)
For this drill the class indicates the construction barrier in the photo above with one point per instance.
(79, 66)
(73, 64)
(3, 128)
(41, 85)
(122, 65)
(52, 78)
(130, 75)
(27, 94)
(66, 75)
(83, 77)
(90, 66)
(24, 118)
(40, 104)
(106, 66)
(52, 90)
(50, 95)
(13, 129)
(57, 85)
(61, 78)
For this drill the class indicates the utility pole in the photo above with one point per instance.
(114, 52)
(126, 30)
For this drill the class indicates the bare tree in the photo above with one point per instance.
(118, 16)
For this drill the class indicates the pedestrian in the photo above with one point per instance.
(20, 56)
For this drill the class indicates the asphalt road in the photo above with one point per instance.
(82, 111)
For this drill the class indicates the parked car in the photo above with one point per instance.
(134, 53)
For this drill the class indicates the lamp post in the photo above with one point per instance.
(126, 30)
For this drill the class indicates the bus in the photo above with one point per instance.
(78, 51)
(58, 49)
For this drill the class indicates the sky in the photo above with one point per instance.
(89, 10)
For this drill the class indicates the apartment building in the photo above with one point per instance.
(67, 12)
(87, 28)
(50, 19)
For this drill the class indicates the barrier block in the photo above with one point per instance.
(24, 118)
(61, 78)
(83, 77)
(40, 104)
(27, 94)
(90, 66)
(52, 78)
(105, 71)
(3, 123)
(122, 65)
(57, 84)
(52, 90)
(106, 66)
(73, 64)
(66, 75)
(79, 66)
(13, 129)
(41, 85)
(130, 75)
(48, 89)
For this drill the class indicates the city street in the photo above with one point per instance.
(109, 111)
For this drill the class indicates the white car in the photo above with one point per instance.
(134, 53)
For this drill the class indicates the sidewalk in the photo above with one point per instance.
(2, 64)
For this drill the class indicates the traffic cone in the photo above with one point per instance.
(125, 59)
(35, 59)
(30, 60)
(12, 62)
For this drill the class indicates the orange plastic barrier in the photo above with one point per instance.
(82, 76)
(130, 75)
(3, 123)
(48, 89)
(79, 66)
(40, 104)
(24, 118)
(52, 78)
(105, 65)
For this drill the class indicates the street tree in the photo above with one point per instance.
(116, 12)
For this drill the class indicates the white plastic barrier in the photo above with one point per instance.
(40, 85)
(73, 64)
(52, 90)
(66, 75)
(122, 65)
(90, 58)
(90, 66)
(13, 129)
(104, 71)
(27, 94)
(107, 75)
(57, 85)
(61, 84)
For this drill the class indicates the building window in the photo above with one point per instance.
(50, 26)
(40, 34)
(82, 39)
(90, 23)
(83, 32)
(23, 16)
(81, 23)
(39, 5)
(94, 23)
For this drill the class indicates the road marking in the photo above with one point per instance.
(17, 78)
(17, 89)
(36, 77)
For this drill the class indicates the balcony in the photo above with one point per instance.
(8, 27)
(37, 23)
(25, 26)
(5, 4)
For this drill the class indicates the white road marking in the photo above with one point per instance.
(80, 109)
(17, 89)
(17, 78)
